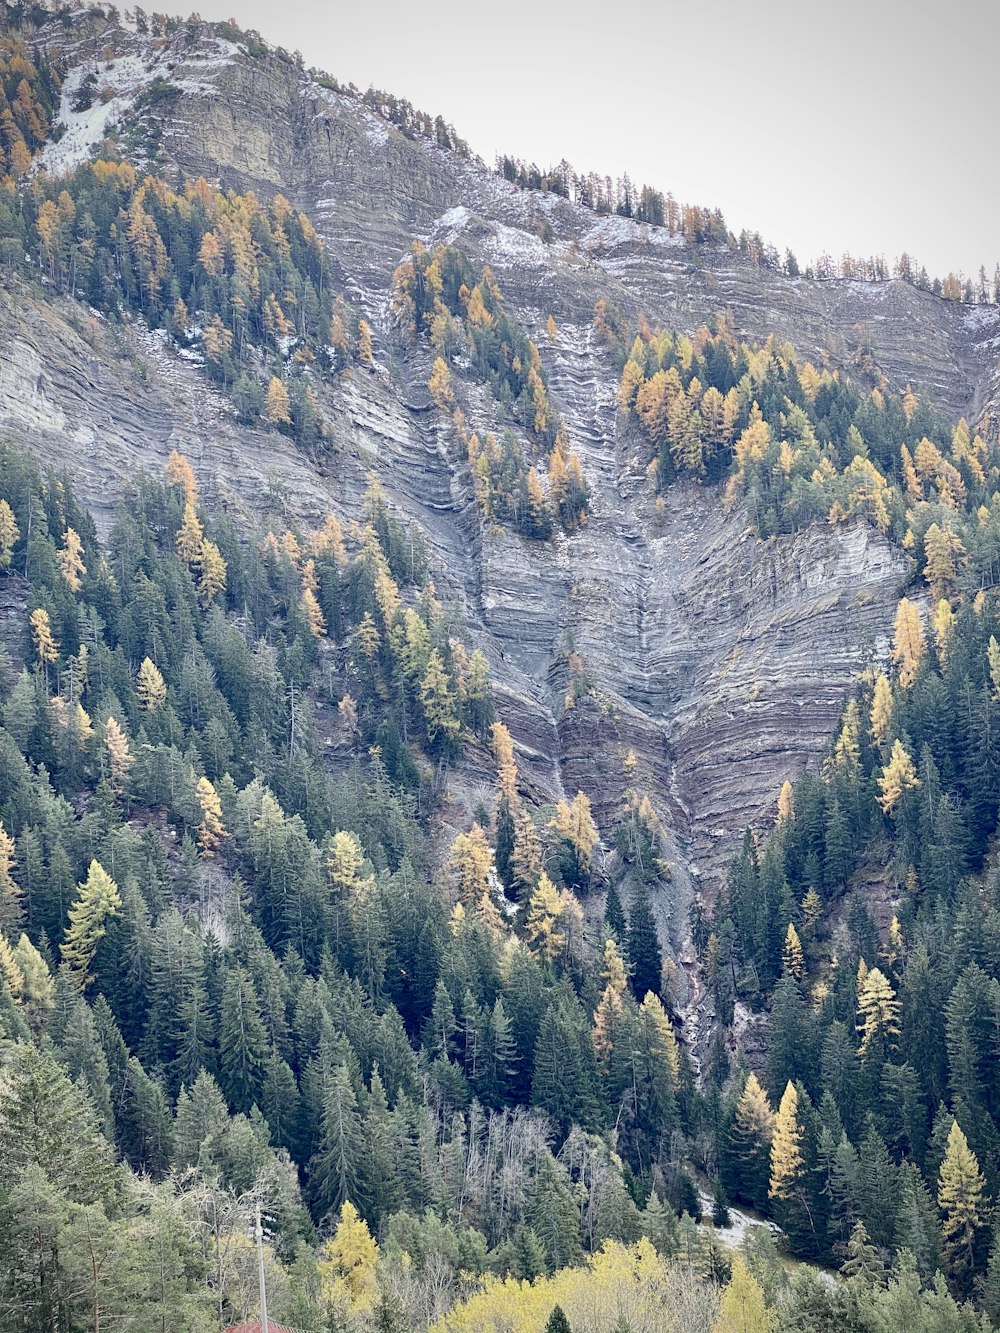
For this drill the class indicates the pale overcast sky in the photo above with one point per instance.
(861, 125)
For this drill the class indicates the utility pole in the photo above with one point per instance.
(259, 1234)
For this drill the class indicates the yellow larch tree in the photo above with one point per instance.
(551, 328)
(908, 641)
(345, 862)
(615, 982)
(944, 624)
(665, 1044)
(150, 687)
(99, 899)
(539, 401)
(277, 404)
(338, 335)
(329, 540)
(743, 1308)
(574, 822)
(538, 505)
(631, 381)
(786, 804)
(10, 970)
(437, 702)
(898, 776)
(878, 1014)
(46, 648)
(503, 748)
(847, 751)
(960, 1198)
(346, 1265)
(179, 472)
(470, 863)
(993, 659)
(881, 711)
(9, 534)
(754, 1114)
(364, 343)
(211, 830)
(10, 892)
(544, 913)
(944, 553)
(212, 571)
(439, 385)
(312, 613)
(38, 989)
(190, 537)
(787, 1162)
(120, 757)
(527, 859)
(792, 958)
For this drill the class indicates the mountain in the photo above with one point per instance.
(677, 616)
(673, 625)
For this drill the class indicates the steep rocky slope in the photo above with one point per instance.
(721, 660)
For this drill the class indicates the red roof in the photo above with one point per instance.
(272, 1327)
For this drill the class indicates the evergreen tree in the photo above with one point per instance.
(242, 1042)
(46, 1123)
(643, 946)
(335, 1170)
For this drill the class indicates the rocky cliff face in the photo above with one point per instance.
(723, 661)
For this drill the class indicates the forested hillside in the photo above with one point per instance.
(465, 559)
(234, 973)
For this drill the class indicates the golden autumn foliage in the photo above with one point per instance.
(993, 659)
(98, 900)
(574, 822)
(545, 911)
(365, 355)
(960, 1197)
(211, 830)
(787, 1162)
(10, 969)
(120, 757)
(179, 472)
(743, 1308)
(754, 1115)
(944, 555)
(190, 537)
(277, 404)
(878, 1013)
(313, 614)
(150, 687)
(211, 573)
(470, 863)
(10, 892)
(615, 981)
(792, 958)
(9, 534)
(46, 648)
(621, 1286)
(898, 776)
(346, 1265)
(908, 641)
(881, 710)
(439, 385)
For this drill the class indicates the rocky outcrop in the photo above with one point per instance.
(721, 660)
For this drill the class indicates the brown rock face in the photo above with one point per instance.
(723, 661)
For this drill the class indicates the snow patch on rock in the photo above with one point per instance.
(126, 79)
(614, 231)
(510, 244)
